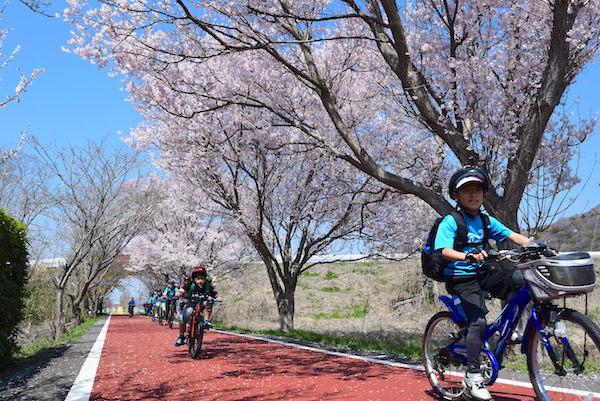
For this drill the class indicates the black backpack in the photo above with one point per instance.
(432, 262)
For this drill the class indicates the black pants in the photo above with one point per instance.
(496, 281)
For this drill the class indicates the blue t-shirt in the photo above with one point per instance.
(447, 232)
(169, 292)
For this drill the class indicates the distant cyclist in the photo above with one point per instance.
(150, 305)
(169, 295)
(198, 286)
(131, 306)
(159, 303)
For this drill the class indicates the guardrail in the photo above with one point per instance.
(595, 255)
(416, 255)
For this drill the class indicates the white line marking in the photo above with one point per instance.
(82, 387)
(304, 347)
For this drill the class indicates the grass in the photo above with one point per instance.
(330, 275)
(44, 344)
(29, 355)
(357, 311)
(404, 346)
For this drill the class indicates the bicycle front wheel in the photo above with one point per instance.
(197, 334)
(576, 345)
(445, 370)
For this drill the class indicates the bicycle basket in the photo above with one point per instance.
(560, 276)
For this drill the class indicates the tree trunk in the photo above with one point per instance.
(286, 304)
(58, 320)
(99, 306)
(76, 311)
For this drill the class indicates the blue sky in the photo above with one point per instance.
(73, 101)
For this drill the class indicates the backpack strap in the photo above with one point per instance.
(485, 219)
(460, 241)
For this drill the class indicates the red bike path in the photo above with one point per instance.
(140, 362)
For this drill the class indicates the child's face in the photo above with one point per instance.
(470, 197)
(200, 280)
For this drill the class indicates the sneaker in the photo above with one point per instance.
(474, 387)
(207, 324)
(180, 341)
(516, 338)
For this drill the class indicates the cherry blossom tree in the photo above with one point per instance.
(182, 233)
(404, 92)
(292, 201)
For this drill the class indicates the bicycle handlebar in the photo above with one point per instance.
(198, 298)
(529, 251)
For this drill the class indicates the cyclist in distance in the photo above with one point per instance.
(151, 303)
(131, 306)
(160, 302)
(465, 276)
(170, 289)
(198, 286)
(169, 295)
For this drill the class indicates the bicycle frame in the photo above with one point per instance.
(198, 310)
(504, 324)
(561, 345)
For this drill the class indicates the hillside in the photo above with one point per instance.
(384, 301)
(378, 300)
(576, 233)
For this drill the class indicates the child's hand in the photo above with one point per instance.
(476, 256)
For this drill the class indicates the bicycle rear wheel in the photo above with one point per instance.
(444, 369)
(576, 344)
(196, 336)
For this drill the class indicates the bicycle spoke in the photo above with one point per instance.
(444, 368)
(576, 346)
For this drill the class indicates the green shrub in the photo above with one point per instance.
(13, 278)
(39, 296)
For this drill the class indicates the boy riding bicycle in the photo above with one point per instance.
(466, 277)
(198, 286)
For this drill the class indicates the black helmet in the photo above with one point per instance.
(467, 175)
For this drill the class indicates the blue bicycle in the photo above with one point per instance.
(562, 345)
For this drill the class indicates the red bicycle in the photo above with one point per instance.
(195, 331)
